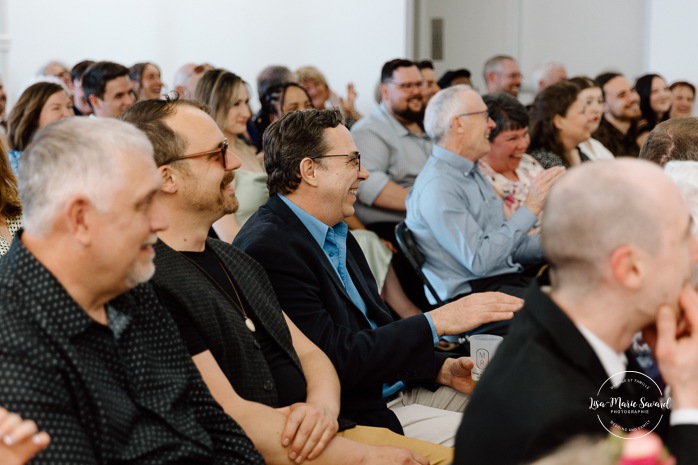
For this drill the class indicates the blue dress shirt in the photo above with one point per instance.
(460, 226)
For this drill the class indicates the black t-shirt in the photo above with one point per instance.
(290, 382)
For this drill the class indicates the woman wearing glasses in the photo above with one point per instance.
(559, 123)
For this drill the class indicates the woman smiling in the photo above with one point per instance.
(508, 167)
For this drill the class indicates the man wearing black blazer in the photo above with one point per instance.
(323, 283)
(618, 239)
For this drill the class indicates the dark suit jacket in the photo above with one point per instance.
(315, 299)
(535, 395)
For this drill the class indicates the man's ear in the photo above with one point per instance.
(627, 267)
(94, 101)
(457, 124)
(169, 179)
(384, 91)
(78, 215)
(308, 171)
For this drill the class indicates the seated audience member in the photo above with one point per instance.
(187, 78)
(454, 77)
(253, 359)
(559, 123)
(468, 242)
(272, 76)
(618, 128)
(269, 77)
(323, 97)
(655, 103)
(289, 97)
(429, 85)
(314, 171)
(547, 74)
(278, 100)
(592, 96)
(21, 439)
(394, 147)
(3, 108)
(228, 100)
(86, 352)
(146, 80)
(80, 105)
(57, 70)
(507, 166)
(683, 95)
(10, 206)
(674, 139)
(502, 74)
(626, 271)
(108, 89)
(40, 104)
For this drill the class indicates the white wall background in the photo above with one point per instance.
(348, 40)
(671, 40)
(588, 37)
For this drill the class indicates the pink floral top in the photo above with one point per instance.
(514, 193)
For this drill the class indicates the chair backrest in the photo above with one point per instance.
(408, 246)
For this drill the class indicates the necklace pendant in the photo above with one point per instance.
(250, 324)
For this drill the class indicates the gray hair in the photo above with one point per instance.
(494, 64)
(443, 106)
(74, 156)
(685, 175)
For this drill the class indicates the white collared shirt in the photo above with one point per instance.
(616, 364)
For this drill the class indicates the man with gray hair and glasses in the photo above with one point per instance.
(468, 242)
(86, 350)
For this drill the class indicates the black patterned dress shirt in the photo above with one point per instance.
(123, 393)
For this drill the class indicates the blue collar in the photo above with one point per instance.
(317, 228)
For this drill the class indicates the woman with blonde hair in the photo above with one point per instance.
(228, 99)
(314, 82)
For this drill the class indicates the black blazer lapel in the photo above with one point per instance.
(297, 227)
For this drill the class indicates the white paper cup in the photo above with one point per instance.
(482, 349)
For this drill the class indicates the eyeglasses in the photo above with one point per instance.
(473, 113)
(222, 151)
(406, 85)
(354, 158)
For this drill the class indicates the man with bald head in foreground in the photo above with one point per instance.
(617, 235)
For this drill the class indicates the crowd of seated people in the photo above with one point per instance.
(311, 337)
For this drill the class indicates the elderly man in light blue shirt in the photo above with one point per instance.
(456, 217)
